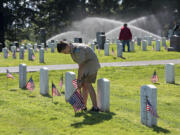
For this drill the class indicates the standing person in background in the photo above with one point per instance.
(88, 64)
(125, 36)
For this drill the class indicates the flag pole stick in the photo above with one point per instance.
(146, 110)
(7, 83)
(52, 93)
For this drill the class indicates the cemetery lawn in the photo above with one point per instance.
(26, 113)
(57, 58)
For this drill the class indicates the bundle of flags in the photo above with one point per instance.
(150, 108)
(55, 91)
(76, 100)
(9, 75)
(154, 78)
(30, 84)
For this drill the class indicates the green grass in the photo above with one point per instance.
(26, 113)
(56, 58)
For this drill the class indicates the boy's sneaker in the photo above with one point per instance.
(94, 109)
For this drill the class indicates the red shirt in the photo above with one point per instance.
(125, 34)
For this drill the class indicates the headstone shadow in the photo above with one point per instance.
(32, 96)
(13, 90)
(62, 92)
(122, 57)
(91, 118)
(176, 84)
(156, 83)
(47, 95)
(160, 130)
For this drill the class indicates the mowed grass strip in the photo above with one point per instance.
(28, 113)
(57, 58)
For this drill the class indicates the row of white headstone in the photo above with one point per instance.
(148, 92)
(21, 53)
(29, 48)
(103, 86)
(132, 47)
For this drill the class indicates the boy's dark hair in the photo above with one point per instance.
(125, 25)
(61, 46)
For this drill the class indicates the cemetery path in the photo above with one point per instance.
(75, 66)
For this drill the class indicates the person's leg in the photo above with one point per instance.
(92, 94)
(128, 45)
(123, 44)
(84, 94)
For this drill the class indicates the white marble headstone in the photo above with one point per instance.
(148, 92)
(103, 94)
(44, 81)
(41, 55)
(170, 73)
(119, 50)
(158, 45)
(106, 49)
(22, 75)
(69, 88)
(144, 45)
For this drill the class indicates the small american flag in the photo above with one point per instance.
(9, 75)
(154, 78)
(33, 56)
(30, 84)
(74, 82)
(61, 81)
(55, 91)
(76, 100)
(149, 108)
(112, 52)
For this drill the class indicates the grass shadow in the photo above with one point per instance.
(91, 118)
(160, 130)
